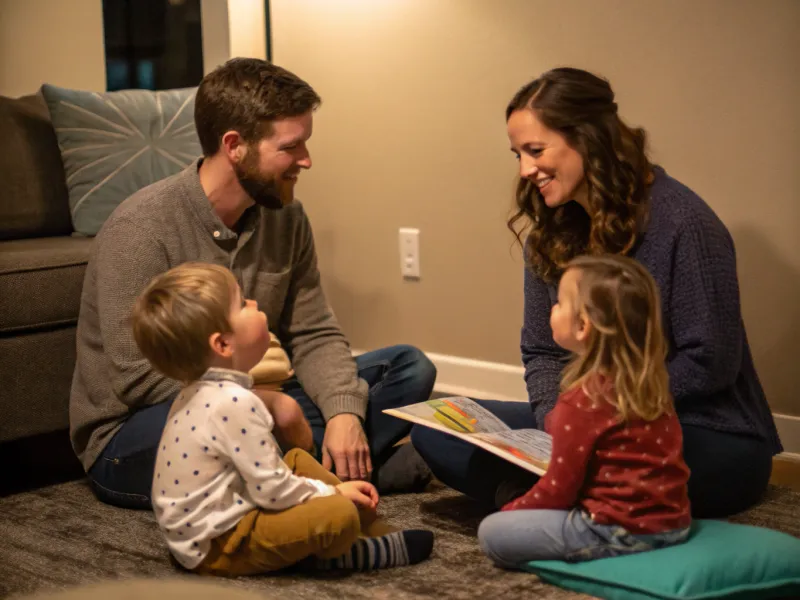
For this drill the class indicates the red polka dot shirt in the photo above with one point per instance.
(628, 474)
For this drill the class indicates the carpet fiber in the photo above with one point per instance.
(60, 536)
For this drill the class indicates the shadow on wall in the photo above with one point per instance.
(770, 292)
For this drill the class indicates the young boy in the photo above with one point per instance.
(224, 499)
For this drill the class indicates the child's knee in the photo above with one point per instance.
(295, 456)
(492, 534)
(341, 530)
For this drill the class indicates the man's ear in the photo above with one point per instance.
(233, 146)
(220, 345)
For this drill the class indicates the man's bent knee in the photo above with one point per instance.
(422, 368)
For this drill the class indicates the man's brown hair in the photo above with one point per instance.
(246, 95)
(176, 315)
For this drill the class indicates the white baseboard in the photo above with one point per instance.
(789, 430)
(458, 376)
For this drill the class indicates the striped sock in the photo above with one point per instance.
(392, 550)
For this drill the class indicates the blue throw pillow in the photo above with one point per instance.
(116, 143)
(719, 560)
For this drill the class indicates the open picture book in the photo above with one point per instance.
(467, 420)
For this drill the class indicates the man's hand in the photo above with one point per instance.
(361, 493)
(345, 447)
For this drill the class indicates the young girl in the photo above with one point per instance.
(224, 500)
(617, 482)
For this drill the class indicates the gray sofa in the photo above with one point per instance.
(41, 274)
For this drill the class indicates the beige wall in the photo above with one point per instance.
(411, 133)
(51, 41)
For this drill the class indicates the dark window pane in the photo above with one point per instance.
(152, 44)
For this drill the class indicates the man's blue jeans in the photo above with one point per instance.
(397, 376)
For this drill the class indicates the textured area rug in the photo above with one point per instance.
(58, 537)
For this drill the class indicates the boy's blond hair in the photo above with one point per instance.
(626, 343)
(176, 315)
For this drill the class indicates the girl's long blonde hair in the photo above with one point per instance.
(620, 300)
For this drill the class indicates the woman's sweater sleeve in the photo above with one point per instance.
(543, 359)
(704, 311)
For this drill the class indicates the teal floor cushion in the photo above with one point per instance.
(719, 560)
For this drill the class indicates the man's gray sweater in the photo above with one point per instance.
(172, 222)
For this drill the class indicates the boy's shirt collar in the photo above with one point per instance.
(237, 377)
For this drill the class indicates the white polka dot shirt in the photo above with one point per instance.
(216, 462)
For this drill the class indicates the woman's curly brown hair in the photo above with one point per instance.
(580, 106)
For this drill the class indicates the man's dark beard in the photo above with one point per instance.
(264, 192)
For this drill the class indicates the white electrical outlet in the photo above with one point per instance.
(409, 252)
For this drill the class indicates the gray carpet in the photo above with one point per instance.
(60, 536)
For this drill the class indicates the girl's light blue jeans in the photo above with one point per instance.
(516, 537)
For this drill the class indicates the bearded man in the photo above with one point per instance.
(235, 207)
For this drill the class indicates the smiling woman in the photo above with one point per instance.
(587, 186)
(572, 145)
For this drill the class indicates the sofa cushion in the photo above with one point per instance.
(35, 380)
(41, 282)
(33, 197)
(116, 143)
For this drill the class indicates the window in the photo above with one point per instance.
(153, 44)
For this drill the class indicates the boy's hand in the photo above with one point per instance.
(362, 493)
(345, 446)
